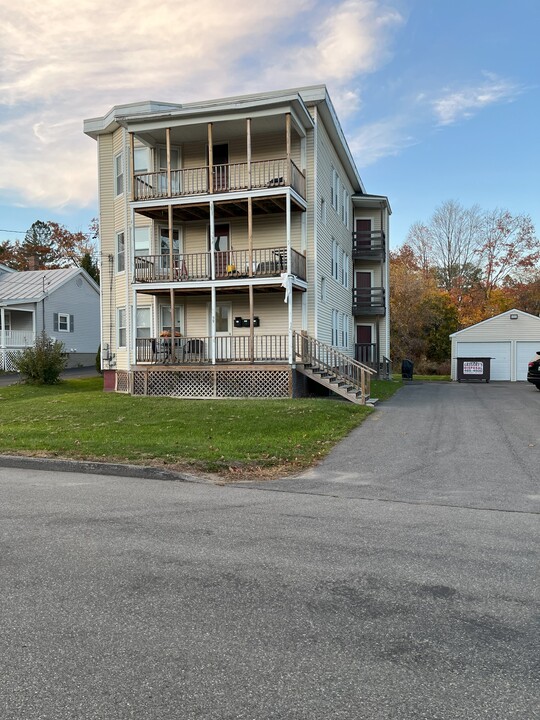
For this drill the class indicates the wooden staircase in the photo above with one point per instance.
(334, 370)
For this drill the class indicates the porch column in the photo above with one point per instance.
(213, 326)
(3, 328)
(288, 143)
(212, 232)
(171, 235)
(248, 151)
(210, 160)
(173, 325)
(133, 343)
(168, 145)
(289, 274)
(132, 163)
(250, 273)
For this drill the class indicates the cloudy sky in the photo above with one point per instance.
(439, 100)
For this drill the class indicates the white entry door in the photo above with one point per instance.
(224, 326)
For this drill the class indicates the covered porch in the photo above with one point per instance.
(17, 331)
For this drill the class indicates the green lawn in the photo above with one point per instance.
(75, 419)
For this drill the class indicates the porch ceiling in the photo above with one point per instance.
(223, 210)
(222, 290)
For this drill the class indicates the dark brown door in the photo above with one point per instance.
(363, 233)
(363, 289)
(363, 334)
(221, 167)
(364, 348)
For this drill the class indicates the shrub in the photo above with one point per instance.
(42, 363)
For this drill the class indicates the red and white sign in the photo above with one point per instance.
(473, 367)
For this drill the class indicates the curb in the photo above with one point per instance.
(97, 468)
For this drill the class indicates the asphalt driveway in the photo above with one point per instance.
(457, 444)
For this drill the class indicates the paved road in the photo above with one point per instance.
(133, 598)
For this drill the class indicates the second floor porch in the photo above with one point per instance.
(219, 265)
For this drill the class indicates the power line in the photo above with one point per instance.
(22, 232)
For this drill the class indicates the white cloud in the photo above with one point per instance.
(380, 139)
(62, 62)
(456, 105)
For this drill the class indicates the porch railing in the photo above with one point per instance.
(265, 262)
(225, 178)
(198, 350)
(17, 338)
(368, 244)
(369, 300)
(324, 358)
(366, 353)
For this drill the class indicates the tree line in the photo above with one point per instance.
(462, 266)
(49, 245)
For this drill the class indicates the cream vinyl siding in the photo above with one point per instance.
(106, 239)
(269, 307)
(268, 231)
(338, 297)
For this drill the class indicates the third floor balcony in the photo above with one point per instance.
(223, 178)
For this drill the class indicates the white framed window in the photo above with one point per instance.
(141, 160)
(142, 240)
(7, 319)
(345, 270)
(323, 211)
(344, 330)
(165, 318)
(144, 319)
(121, 327)
(164, 240)
(63, 322)
(334, 189)
(162, 167)
(335, 329)
(323, 289)
(120, 252)
(118, 174)
(345, 209)
(335, 259)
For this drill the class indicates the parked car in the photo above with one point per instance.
(533, 373)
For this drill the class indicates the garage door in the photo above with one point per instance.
(498, 351)
(525, 352)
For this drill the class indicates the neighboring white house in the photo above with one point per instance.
(214, 213)
(510, 339)
(64, 303)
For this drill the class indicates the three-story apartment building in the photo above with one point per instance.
(240, 253)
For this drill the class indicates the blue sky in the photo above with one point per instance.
(439, 100)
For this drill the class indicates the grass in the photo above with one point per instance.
(432, 378)
(76, 419)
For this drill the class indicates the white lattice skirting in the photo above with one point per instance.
(6, 360)
(202, 383)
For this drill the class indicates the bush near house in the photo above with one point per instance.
(42, 363)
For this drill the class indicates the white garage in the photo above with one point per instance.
(511, 339)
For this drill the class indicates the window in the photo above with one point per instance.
(344, 330)
(141, 160)
(345, 270)
(323, 211)
(143, 322)
(164, 241)
(121, 327)
(120, 252)
(323, 289)
(334, 327)
(165, 318)
(142, 241)
(162, 167)
(118, 174)
(7, 316)
(63, 322)
(345, 209)
(335, 188)
(335, 260)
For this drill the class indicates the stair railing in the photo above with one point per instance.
(325, 358)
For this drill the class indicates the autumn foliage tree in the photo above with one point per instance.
(462, 266)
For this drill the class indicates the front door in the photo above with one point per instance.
(220, 168)
(363, 233)
(222, 247)
(224, 331)
(364, 348)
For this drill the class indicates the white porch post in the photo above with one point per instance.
(3, 339)
(289, 262)
(212, 242)
(213, 326)
(133, 344)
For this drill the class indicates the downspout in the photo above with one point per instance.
(213, 289)
(289, 277)
(129, 249)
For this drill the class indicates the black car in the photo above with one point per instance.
(533, 374)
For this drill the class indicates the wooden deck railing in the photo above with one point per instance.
(368, 244)
(322, 357)
(198, 350)
(225, 178)
(368, 300)
(234, 264)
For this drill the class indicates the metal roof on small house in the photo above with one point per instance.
(33, 285)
